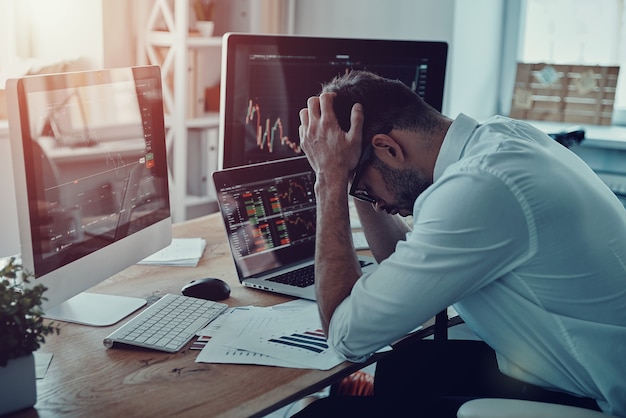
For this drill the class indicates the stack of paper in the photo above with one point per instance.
(181, 252)
(285, 335)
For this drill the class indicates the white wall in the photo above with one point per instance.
(7, 26)
(60, 30)
(391, 19)
(9, 236)
(475, 59)
(119, 41)
(89, 33)
(473, 30)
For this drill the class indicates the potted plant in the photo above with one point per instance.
(22, 331)
(204, 11)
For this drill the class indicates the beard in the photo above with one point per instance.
(406, 185)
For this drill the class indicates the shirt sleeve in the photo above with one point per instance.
(468, 231)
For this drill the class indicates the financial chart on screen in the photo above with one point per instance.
(270, 214)
(267, 79)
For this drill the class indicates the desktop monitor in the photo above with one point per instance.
(266, 80)
(91, 183)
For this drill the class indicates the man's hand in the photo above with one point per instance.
(333, 154)
(330, 151)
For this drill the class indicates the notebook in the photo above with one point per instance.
(269, 214)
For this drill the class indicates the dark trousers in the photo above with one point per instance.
(433, 379)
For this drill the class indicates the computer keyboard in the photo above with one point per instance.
(168, 324)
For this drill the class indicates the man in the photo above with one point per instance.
(509, 226)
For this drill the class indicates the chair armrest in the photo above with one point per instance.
(513, 408)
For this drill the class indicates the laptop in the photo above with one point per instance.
(269, 214)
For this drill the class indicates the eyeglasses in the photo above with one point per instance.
(364, 160)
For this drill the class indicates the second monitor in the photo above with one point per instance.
(266, 80)
(91, 183)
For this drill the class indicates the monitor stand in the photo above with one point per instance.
(95, 309)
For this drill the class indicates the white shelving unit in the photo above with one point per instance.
(168, 43)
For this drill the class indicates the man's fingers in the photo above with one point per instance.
(356, 120)
(304, 117)
(304, 123)
(313, 107)
(326, 107)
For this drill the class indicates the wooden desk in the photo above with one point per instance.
(86, 379)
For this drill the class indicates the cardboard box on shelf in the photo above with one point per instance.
(578, 94)
(212, 99)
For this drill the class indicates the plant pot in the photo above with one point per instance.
(205, 27)
(18, 383)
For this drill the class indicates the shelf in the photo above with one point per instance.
(166, 39)
(208, 121)
(199, 41)
(185, 79)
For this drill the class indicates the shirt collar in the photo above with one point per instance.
(453, 143)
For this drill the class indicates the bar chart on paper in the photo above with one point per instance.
(283, 336)
(296, 338)
(313, 341)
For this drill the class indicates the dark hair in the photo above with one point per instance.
(387, 104)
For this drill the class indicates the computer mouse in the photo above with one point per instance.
(209, 288)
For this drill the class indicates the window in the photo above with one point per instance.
(577, 32)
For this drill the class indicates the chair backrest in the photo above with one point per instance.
(514, 408)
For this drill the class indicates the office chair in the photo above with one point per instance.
(514, 408)
(570, 137)
(456, 329)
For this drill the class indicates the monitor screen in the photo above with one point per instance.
(90, 174)
(269, 213)
(266, 80)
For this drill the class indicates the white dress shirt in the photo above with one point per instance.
(527, 244)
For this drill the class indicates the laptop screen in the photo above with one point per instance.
(269, 214)
(266, 80)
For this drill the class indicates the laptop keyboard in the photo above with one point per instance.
(302, 277)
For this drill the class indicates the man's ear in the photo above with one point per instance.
(388, 149)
